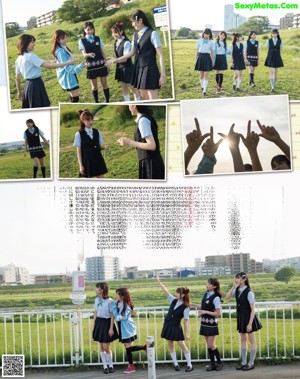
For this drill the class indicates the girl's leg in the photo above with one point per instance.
(272, 78)
(35, 166)
(187, 355)
(171, 345)
(125, 92)
(74, 96)
(210, 340)
(107, 350)
(136, 92)
(251, 73)
(205, 81)
(252, 340)
(153, 94)
(43, 168)
(144, 94)
(243, 350)
(201, 79)
(128, 352)
(103, 358)
(235, 77)
(209, 343)
(104, 84)
(94, 86)
(275, 77)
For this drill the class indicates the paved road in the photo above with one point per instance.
(290, 371)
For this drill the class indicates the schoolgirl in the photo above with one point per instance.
(91, 47)
(247, 321)
(210, 310)
(28, 66)
(220, 59)
(104, 330)
(122, 309)
(88, 142)
(124, 69)
(172, 329)
(146, 142)
(146, 46)
(66, 76)
(251, 55)
(237, 60)
(32, 137)
(274, 60)
(204, 58)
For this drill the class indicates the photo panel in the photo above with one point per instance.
(236, 135)
(248, 64)
(124, 142)
(25, 143)
(90, 44)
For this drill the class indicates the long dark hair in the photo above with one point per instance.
(90, 24)
(207, 31)
(243, 276)
(138, 14)
(277, 32)
(216, 283)
(23, 42)
(84, 115)
(184, 295)
(224, 40)
(144, 109)
(58, 34)
(250, 34)
(119, 28)
(127, 300)
(104, 287)
(235, 37)
(30, 120)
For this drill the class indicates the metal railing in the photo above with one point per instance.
(64, 337)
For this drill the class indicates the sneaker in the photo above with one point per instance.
(106, 370)
(218, 89)
(240, 366)
(111, 370)
(129, 369)
(210, 368)
(189, 369)
(253, 85)
(248, 367)
(177, 368)
(219, 366)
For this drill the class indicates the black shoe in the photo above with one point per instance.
(106, 371)
(111, 370)
(177, 368)
(234, 87)
(189, 369)
(238, 89)
(219, 366)
(240, 366)
(210, 368)
(272, 90)
(248, 367)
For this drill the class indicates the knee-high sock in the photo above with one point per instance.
(43, 169)
(217, 78)
(106, 94)
(244, 356)
(95, 95)
(252, 357)
(35, 170)
(211, 357)
(109, 359)
(217, 355)
(129, 355)
(174, 359)
(75, 99)
(251, 78)
(103, 358)
(221, 79)
(188, 358)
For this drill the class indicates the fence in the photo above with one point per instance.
(64, 338)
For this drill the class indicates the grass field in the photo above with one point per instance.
(187, 85)
(113, 122)
(44, 36)
(15, 166)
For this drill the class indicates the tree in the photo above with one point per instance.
(285, 274)
(78, 10)
(12, 29)
(259, 24)
(183, 32)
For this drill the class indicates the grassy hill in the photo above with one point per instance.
(74, 31)
(186, 79)
(113, 121)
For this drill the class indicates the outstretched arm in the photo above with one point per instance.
(251, 141)
(271, 134)
(162, 286)
(233, 140)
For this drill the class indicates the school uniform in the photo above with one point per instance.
(209, 324)
(172, 329)
(220, 56)
(95, 66)
(124, 71)
(145, 72)
(126, 325)
(66, 76)
(204, 61)
(274, 59)
(252, 47)
(151, 164)
(34, 94)
(244, 297)
(237, 50)
(102, 308)
(90, 140)
(32, 135)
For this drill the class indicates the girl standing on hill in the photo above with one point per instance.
(274, 60)
(237, 60)
(104, 330)
(247, 322)
(145, 46)
(220, 59)
(32, 137)
(88, 142)
(172, 329)
(28, 65)
(124, 69)
(251, 54)
(122, 309)
(66, 76)
(91, 47)
(204, 58)
(210, 310)
(151, 164)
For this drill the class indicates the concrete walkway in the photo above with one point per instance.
(290, 371)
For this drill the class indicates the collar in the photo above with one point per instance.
(252, 40)
(90, 38)
(88, 130)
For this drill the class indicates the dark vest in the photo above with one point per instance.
(274, 49)
(143, 154)
(34, 143)
(174, 316)
(145, 52)
(119, 52)
(237, 52)
(94, 47)
(252, 50)
(242, 303)
(208, 305)
(88, 145)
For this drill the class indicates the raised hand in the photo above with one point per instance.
(209, 147)
(251, 140)
(232, 138)
(268, 132)
(195, 138)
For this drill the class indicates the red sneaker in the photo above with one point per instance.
(129, 369)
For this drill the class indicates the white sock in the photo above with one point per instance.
(137, 98)
(252, 357)
(234, 81)
(126, 97)
(188, 358)
(244, 356)
(109, 359)
(239, 83)
(205, 84)
(103, 358)
(173, 356)
(272, 80)
(201, 82)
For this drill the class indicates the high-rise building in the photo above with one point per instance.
(102, 268)
(287, 21)
(232, 20)
(12, 275)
